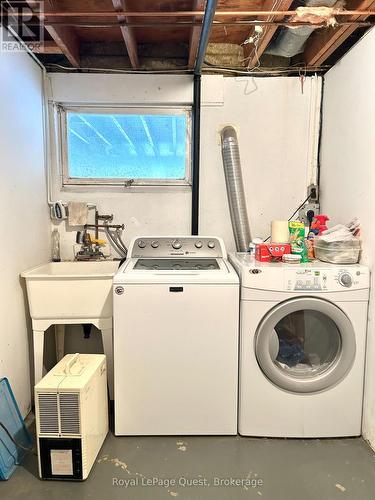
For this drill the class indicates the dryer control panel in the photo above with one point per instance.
(312, 277)
(307, 279)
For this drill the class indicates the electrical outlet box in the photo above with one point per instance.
(303, 212)
(313, 193)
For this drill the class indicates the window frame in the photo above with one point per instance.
(62, 110)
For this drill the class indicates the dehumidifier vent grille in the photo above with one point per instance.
(48, 413)
(69, 413)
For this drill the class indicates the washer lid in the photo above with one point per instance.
(305, 345)
(179, 270)
(177, 264)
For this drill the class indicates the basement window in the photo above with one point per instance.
(125, 146)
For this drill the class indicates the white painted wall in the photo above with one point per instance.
(348, 171)
(25, 223)
(277, 127)
(156, 210)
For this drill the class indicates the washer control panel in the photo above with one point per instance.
(192, 246)
(314, 280)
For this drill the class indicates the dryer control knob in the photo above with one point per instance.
(198, 244)
(155, 244)
(345, 280)
(141, 244)
(177, 244)
(211, 244)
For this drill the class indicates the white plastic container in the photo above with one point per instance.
(337, 252)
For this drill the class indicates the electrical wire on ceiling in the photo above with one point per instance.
(256, 38)
(210, 68)
(125, 71)
(294, 69)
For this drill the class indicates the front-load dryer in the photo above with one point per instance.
(302, 348)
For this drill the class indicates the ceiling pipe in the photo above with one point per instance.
(205, 34)
(196, 156)
(189, 13)
(208, 18)
(188, 24)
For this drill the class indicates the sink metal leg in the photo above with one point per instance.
(38, 341)
(60, 341)
(107, 335)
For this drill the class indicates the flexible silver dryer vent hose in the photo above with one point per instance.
(235, 190)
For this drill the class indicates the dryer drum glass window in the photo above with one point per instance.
(305, 345)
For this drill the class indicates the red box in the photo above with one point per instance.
(271, 252)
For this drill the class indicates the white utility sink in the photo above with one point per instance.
(71, 289)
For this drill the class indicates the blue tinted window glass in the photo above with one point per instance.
(130, 146)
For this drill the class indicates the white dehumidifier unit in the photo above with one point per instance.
(71, 407)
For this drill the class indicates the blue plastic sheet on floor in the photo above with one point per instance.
(11, 454)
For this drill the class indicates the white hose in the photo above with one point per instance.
(114, 243)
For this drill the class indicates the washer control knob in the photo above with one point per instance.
(198, 244)
(345, 280)
(141, 244)
(177, 244)
(211, 244)
(154, 244)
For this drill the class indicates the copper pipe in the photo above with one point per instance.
(188, 13)
(188, 25)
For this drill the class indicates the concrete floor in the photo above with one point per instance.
(270, 469)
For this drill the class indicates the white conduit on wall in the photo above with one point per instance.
(236, 196)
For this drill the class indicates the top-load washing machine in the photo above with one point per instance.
(302, 348)
(176, 322)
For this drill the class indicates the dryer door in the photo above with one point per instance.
(305, 345)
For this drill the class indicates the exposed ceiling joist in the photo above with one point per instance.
(68, 42)
(47, 47)
(194, 35)
(127, 33)
(143, 25)
(253, 55)
(64, 36)
(323, 43)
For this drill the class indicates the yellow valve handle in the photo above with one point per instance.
(98, 242)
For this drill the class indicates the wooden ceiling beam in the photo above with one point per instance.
(127, 34)
(253, 55)
(47, 47)
(65, 37)
(195, 35)
(323, 43)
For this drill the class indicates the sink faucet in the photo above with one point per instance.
(90, 249)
